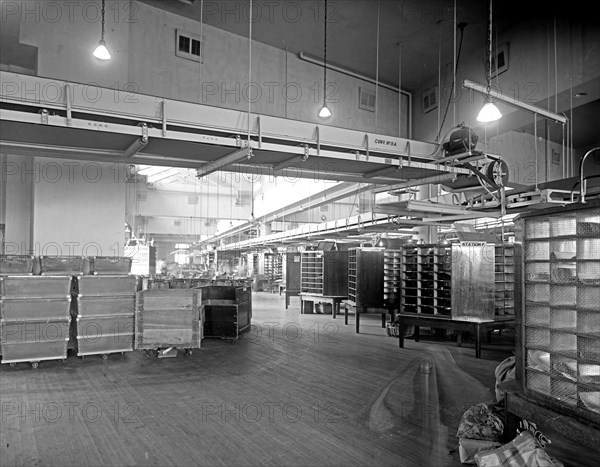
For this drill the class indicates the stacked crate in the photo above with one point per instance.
(34, 313)
(104, 314)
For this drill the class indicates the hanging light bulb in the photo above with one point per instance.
(489, 112)
(101, 51)
(325, 112)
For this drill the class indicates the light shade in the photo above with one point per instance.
(101, 51)
(324, 112)
(489, 113)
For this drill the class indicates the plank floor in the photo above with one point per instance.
(298, 390)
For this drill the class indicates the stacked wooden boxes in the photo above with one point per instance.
(228, 310)
(104, 314)
(34, 313)
(169, 318)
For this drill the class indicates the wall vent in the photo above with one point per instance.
(366, 99)
(192, 199)
(188, 46)
(142, 196)
(324, 208)
(500, 60)
(430, 99)
(177, 222)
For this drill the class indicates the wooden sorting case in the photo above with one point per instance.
(168, 318)
(104, 314)
(61, 265)
(228, 310)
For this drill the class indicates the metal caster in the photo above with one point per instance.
(105, 356)
(34, 364)
(188, 352)
(12, 364)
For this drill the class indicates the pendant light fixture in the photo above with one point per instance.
(325, 112)
(101, 51)
(489, 112)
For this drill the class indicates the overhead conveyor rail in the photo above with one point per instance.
(47, 117)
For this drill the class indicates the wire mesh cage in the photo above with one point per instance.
(561, 312)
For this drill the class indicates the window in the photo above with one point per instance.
(188, 46)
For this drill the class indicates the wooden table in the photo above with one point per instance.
(307, 302)
(359, 310)
(444, 323)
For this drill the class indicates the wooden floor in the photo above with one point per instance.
(298, 390)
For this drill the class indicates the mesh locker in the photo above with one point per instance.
(561, 308)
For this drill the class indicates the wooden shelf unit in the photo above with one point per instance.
(321, 273)
(558, 360)
(365, 276)
(464, 281)
(392, 278)
(292, 276)
(504, 271)
(273, 266)
(426, 280)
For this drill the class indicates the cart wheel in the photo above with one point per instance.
(105, 356)
(122, 353)
(188, 352)
(13, 363)
(149, 353)
(62, 360)
(34, 364)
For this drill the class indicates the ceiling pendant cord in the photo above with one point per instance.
(101, 52)
(325, 112)
(377, 72)
(535, 141)
(454, 71)
(249, 72)
(400, 90)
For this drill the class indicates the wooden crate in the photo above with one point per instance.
(19, 309)
(113, 265)
(35, 286)
(61, 265)
(106, 285)
(15, 332)
(104, 334)
(88, 306)
(34, 341)
(228, 310)
(19, 265)
(168, 318)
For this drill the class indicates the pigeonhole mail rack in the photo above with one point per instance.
(34, 318)
(104, 314)
(169, 319)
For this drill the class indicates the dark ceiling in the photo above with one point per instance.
(420, 26)
(424, 28)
